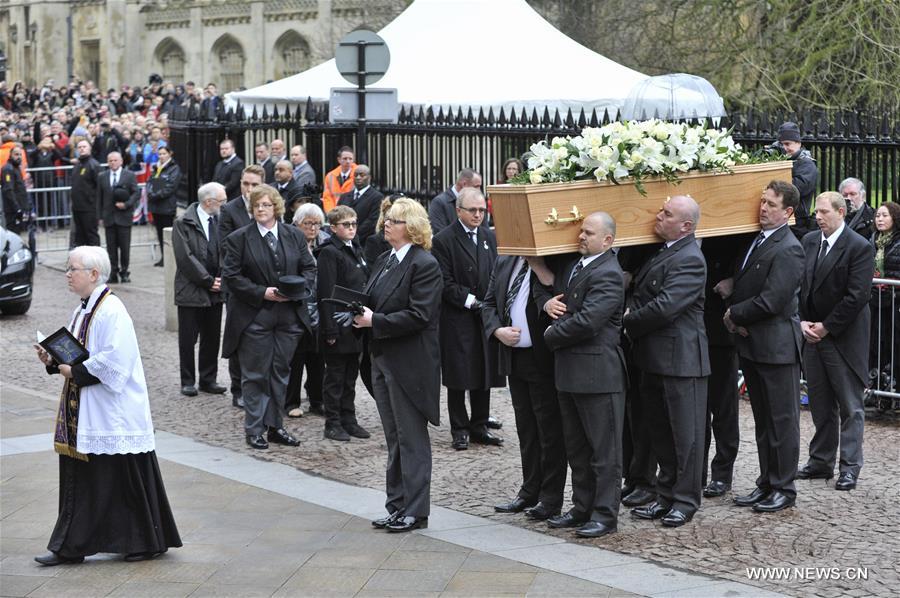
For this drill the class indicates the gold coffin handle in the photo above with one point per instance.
(553, 217)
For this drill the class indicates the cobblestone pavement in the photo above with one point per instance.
(826, 529)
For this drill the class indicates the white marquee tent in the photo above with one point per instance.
(471, 53)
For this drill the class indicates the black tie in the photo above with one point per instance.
(822, 251)
(472, 237)
(272, 241)
(576, 271)
(759, 241)
(392, 261)
(513, 292)
(356, 195)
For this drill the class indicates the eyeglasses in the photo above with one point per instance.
(473, 211)
(392, 221)
(347, 224)
(264, 206)
(70, 269)
(311, 224)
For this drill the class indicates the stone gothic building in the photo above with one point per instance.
(232, 43)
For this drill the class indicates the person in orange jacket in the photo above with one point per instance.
(339, 180)
(9, 142)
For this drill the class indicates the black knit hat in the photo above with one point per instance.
(789, 132)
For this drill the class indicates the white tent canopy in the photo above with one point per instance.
(488, 53)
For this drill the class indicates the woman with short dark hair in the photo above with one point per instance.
(885, 301)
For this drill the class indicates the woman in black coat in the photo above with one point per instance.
(162, 194)
(885, 301)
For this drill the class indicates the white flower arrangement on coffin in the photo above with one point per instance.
(635, 149)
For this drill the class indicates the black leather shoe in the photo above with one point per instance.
(52, 559)
(281, 436)
(594, 529)
(113, 279)
(189, 391)
(541, 512)
(125, 277)
(384, 521)
(336, 433)
(460, 442)
(493, 423)
(676, 518)
(569, 519)
(715, 488)
(407, 524)
(808, 472)
(847, 481)
(516, 505)
(257, 442)
(357, 431)
(237, 402)
(748, 500)
(159, 264)
(652, 511)
(316, 410)
(776, 501)
(486, 438)
(638, 497)
(213, 389)
(134, 557)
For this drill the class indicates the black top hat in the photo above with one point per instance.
(293, 287)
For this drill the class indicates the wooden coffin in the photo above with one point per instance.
(729, 204)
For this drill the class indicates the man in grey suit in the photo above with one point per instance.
(303, 172)
(834, 319)
(763, 317)
(586, 309)
(665, 323)
(118, 194)
(442, 209)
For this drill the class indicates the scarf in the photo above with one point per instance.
(882, 240)
(66, 434)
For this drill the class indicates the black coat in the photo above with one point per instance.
(248, 271)
(84, 186)
(126, 191)
(269, 168)
(367, 209)
(720, 254)
(442, 211)
(467, 354)
(338, 264)
(228, 174)
(891, 255)
(107, 142)
(12, 187)
(375, 246)
(193, 279)
(163, 189)
(38, 158)
(234, 215)
(289, 193)
(862, 221)
(804, 176)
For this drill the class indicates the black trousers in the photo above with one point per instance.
(722, 414)
(339, 388)
(638, 462)
(775, 398)
(306, 357)
(460, 422)
(676, 412)
(161, 221)
(85, 224)
(592, 424)
(205, 322)
(539, 428)
(234, 372)
(118, 246)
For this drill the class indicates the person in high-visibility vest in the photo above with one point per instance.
(339, 180)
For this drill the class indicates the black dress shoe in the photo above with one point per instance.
(336, 433)
(460, 442)
(516, 505)
(213, 389)
(51, 559)
(407, 524)
(159, 264)
(748, 500)
(237, 402)
(652, 511)
(570, 519)
(715, 488)
(384, 521)
(357, 431)
(134, 557)
(676, 518)
(281, 436)
(316, 409)
(487, 438)
(638, 497)
(808, 472)
(125, 277)
(776, 501)
(846, 481)
(594, 529)
(113, 279)
(189, 391)
(541, 512)
(493, 423)
(257, 441)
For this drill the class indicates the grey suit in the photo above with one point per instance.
(665, 323)
(765, 302)
(835, 291)
(305, 177)
(590, 379)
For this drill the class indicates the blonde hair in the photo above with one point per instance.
(265, 191)
(418, 228)
(834, 198)
(386, 204)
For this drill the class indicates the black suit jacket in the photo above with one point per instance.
(269, 167)
(665, 321)
(505, 269)
(338, 264)
(721, 255)
(585, 340)
(234, 215)
(289, 193)
(839, 296)
(248, 270)
(765, 300)
(442, 212)
(404, 333)
(125, 191)
(367, 208)
(229, 175)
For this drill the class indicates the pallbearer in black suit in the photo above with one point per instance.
(511, 315)
(586, 309)
(264, 324)
(340, 262)
(834, 318)
(198, 289)
(763, 317)
(466, 252)
(119, 195)
(665, 322)
(402, 322)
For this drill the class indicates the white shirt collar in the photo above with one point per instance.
(401, 253)
(770, 232)
(587, 259)
(833, 238)
(230, 158)
(467, 229)
(360, 192)
(115, 172)
(263, 230)
(454, 191)
(203, 216)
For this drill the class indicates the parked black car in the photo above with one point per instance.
(16, 273)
